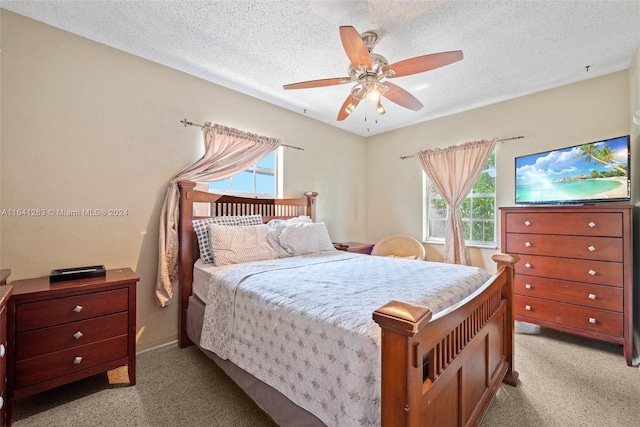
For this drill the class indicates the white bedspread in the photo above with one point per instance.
(304, 324)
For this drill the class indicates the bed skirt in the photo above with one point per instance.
(283, 411)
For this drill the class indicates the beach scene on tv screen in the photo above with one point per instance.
(595, 171)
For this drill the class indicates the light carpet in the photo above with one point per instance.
(565, 380)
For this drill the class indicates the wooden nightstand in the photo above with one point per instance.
(62, 332)
(357, 247)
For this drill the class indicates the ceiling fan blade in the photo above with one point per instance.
(318, 83)
(347, 108)
(354, 47)
(420, 64)
(401, 97)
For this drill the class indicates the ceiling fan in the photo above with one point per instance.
(370, 71)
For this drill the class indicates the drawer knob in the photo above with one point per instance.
(592, 224)
(527, 286)
(78, 335)
(527, 265)
(527, 223)
(527, 307)
(592, 272)
(3, 351)
(78, 308)
(591, 248)
(77, 360)
(592, 296)
(527, 244)
(1, 402)
(592, 320)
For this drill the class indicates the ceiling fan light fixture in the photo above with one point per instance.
(380, 109)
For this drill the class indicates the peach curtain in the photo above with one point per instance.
(227, 152)
(453, 171)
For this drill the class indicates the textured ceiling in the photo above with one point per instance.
(511, 48)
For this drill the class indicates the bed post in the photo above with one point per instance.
(185, 257)
(400, 360)
(311, 204)
(508, 262)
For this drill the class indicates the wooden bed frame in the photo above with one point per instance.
(468, 348)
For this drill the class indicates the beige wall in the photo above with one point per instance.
(87, 126)
(586, 111)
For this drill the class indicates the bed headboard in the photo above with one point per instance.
(223, 205)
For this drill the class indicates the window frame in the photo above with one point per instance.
(256, 170)
(427, 212)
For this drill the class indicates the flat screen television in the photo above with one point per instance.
(594, 172)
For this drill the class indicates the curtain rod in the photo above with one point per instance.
(186, 123)
(500, 140)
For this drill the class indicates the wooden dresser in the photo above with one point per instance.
(62, 332)
(5, 294)
(576, 269)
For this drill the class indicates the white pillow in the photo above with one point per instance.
(202, 233)
(303, 238)
(301, 218)
(231, 244)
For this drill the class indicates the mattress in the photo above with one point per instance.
(304, 325)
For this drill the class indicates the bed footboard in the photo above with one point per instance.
(444, 370)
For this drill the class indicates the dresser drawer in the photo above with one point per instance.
(578, 270)
(585, 247)
(69, 309)
(596, 296)
(69, 335)
(591, 319)
(579, 223)
(54, 365)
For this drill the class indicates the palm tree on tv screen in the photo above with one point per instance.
(603, 155)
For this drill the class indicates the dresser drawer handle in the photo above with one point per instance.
(592, 272)
(527, 244)
(592, 296)
(527, 286)
(78, 308)
(3, 351)
(528, 265)
(591, 248)
(527, 307)
(527, 223)
(78, 335)
(1, 402)
(592, 224)
(77, 360)
(592, 320)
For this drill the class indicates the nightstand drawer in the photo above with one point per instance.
(54, 365)
(583, 247)
(578, 270)
(571, 223)
(591, 319)
(40, 314)
(596, 296)
(56, 338)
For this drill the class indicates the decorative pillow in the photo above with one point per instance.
(303, 238)
(200, 227)
(235, 244)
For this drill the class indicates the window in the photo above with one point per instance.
(258, 180)
(478, 210)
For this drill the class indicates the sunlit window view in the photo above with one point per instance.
(258, 180)
(478, 210)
